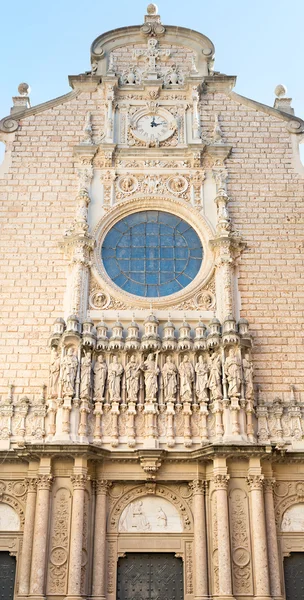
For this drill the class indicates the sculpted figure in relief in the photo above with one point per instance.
(86, 376)
(114, 379)
(169, 373)
(100, 375)
(202, 376)
(54, 374)
(234, 373)
(248, 376)
(69, 371)
(186, 373)
(215, 377)
(151, 370)
(132, 378)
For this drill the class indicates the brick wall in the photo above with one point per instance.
(37, 205)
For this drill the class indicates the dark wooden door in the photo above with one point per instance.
(150, 576)
(294, 576)
(7, 576)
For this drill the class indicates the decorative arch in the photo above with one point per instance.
(167, 204)
(9, 518)
(16, 505)
(141, 491)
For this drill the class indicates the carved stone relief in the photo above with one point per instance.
(179, 514)
(240, 542)
(151, 514)
(9, 519)
(293, 518)
(59, 543)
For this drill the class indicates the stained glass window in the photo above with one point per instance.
(152, 253)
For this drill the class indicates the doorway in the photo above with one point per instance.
(7, 576)
(294, 576)
(150, 576)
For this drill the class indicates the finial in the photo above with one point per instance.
(152, 9)
(24, 89)
(280, 91)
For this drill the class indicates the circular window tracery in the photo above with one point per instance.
(152, 253)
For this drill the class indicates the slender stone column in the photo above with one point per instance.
(99, 561)
(260, 558)
(28, 535)
(40, 537)
(79, 482)
(200, 540)
(272, 542)
(224, 555)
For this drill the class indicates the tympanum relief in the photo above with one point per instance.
(150, 514)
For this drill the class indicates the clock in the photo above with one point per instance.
(153, 127)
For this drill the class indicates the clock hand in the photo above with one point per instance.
(157, 124)
(153, 124)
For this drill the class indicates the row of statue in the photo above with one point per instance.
(212, 378)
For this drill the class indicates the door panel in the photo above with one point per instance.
(7, 576)
(150, 576)
(294, 576)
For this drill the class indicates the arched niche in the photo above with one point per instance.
(150, 514)
(293, 519)
(144, 503)
(9, 519)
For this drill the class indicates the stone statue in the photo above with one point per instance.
(86, 376)
(248, 376)
(100, 376)
(215, 377)
(132, 379)
(151, 370)
(234, 373)
(69, 372)
(202, 376)
(114, 379)
(54, 374)
(186, 373)
(169, 373)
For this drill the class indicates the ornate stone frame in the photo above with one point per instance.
(179, 543)
(168, 204)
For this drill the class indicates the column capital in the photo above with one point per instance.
(102, 486)
(221, 481)
(79, 481)
(44, 482)
(255, 482)
(197, 486)
(269, 484)
(31, 484)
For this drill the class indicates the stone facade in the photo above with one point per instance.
(140, 422)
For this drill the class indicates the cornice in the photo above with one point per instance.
(11, 123)
(295, 124)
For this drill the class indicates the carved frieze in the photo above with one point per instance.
(240, 542)
(59, 543)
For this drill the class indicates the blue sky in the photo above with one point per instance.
(261, 42)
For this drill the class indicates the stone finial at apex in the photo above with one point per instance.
(24, 89)
(280, 90)
(152, 9)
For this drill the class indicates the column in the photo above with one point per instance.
(99, 560)
(40, 537)
(28, 535)
(79, 482)
(272, 542)
(224, 556)
(200, 540)
(260, 558)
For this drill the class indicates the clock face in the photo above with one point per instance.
(152, 127)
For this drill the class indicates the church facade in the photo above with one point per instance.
(152, 383)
